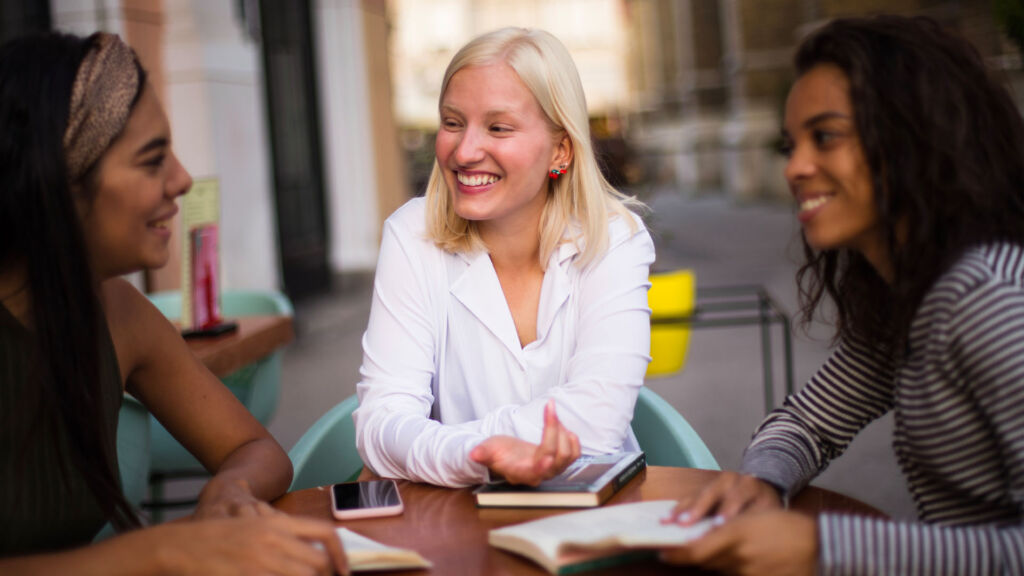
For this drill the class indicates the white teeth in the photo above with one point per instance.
(476, 179)
(812, 203)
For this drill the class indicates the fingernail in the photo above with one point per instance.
(718, 520)
(684, 517)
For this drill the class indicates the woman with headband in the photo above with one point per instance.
(89, 182)
(518, 282)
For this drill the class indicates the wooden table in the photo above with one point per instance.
(446, 527)
(256, 338)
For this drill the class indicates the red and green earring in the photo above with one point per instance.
(556, 172)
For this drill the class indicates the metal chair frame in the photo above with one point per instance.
(744, 305)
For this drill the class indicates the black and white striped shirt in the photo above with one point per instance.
(959, 429)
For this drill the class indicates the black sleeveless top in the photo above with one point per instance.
(45, 504)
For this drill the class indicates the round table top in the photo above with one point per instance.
(445, 526)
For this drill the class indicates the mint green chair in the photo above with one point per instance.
(666, 437)
(132, 455)
(133, 447)
(256, 386)
(326, 453)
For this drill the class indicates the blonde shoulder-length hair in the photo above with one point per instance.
(581, 201)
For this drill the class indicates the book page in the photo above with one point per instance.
(625, 525)
(365, 554)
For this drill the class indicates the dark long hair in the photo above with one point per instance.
(944, 143)
(40, 230)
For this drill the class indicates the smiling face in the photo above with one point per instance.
(827, 171)
(126, 218)
(495, 148)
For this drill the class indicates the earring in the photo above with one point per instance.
(556, 172)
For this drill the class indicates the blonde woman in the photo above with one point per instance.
(517, 284)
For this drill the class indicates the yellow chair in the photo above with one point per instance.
(675, 311)
(672, 297)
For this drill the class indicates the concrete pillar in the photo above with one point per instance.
(751, 168)
(350, 163)
(215, 100)
(392, 184)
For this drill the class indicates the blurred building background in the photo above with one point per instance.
(318, 117)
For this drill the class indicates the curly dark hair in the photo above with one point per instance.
(944, 143)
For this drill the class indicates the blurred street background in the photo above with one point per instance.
(316, 119)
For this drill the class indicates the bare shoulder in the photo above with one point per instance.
(136, 326)
(123, 303)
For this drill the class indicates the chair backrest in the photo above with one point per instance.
(666, 437)
(326, 453)
(133, 449)
(233, 303)
(672, 295)
(257, 386)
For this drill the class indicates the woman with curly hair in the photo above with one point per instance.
(906, 159)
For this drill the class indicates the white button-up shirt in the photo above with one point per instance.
(443, 368)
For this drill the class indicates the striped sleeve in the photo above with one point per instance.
(797, 441)
(854, 545)
(987, 356)
(979, 330)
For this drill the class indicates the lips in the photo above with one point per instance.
(813, 202)
(163, 222)
(810, 204)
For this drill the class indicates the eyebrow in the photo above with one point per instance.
(817, 118)
(154, 144)
(824, 116)
(488, 114)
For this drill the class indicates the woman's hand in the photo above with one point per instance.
(726, 497)
(224, 499)
(768, 543)
(280, 544)
(521, 462)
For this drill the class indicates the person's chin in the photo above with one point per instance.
(470, 212)
(155, 261)
(822, 244)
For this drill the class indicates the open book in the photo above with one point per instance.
(588, 482)
(593, 539)
(365, 555)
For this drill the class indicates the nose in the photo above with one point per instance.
(469, 150)
(800, 165)
(179, 181)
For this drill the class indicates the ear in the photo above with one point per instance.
(563, 153)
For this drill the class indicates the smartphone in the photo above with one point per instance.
(367, 499)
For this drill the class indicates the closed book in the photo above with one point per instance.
(588, 482)
(591, 539)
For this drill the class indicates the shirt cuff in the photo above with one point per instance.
(773, 470)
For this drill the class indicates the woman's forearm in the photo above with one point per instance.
(135, 553)
(260, 468)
